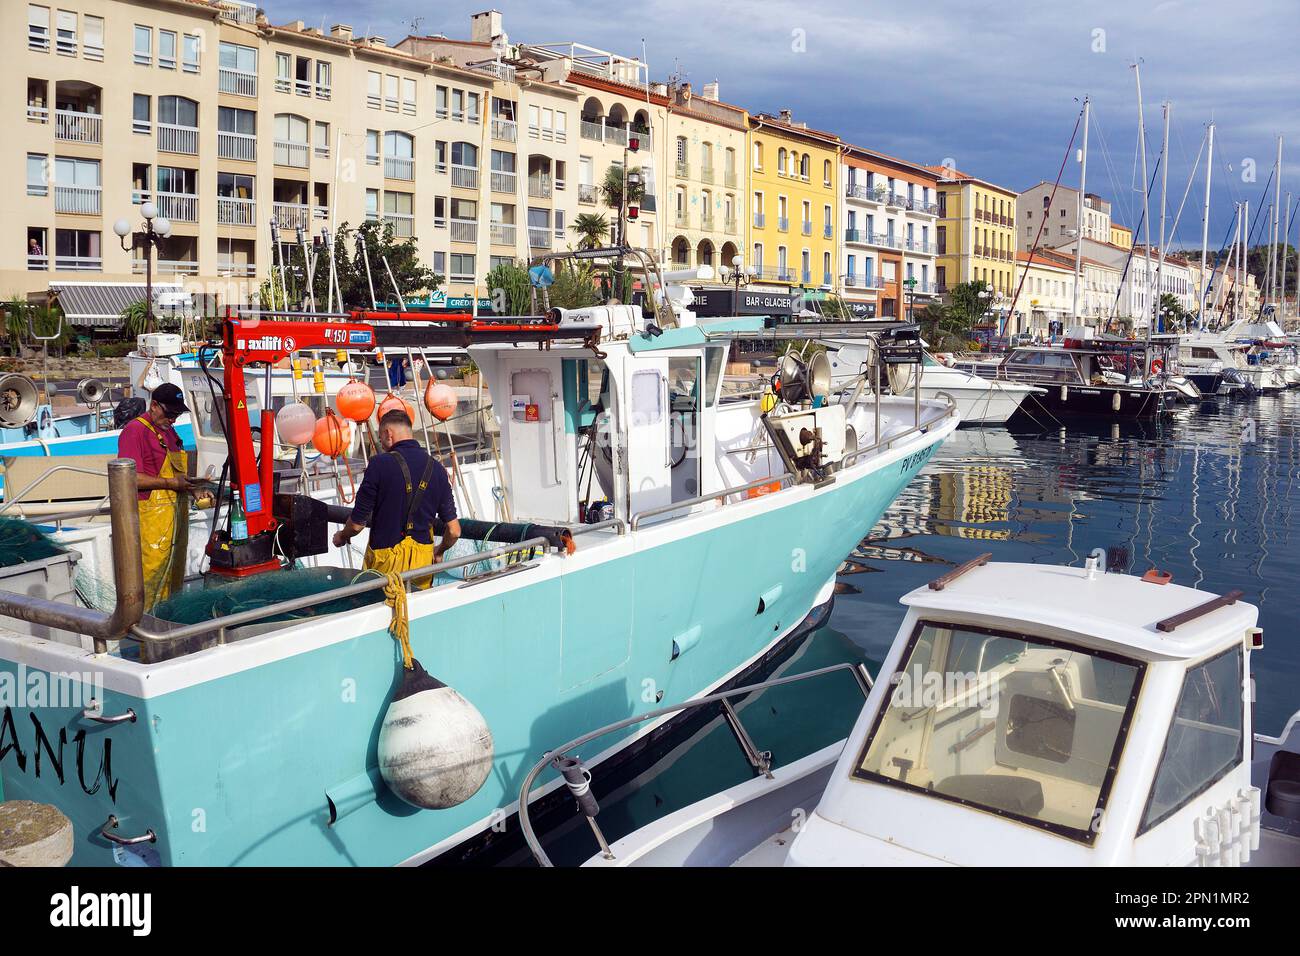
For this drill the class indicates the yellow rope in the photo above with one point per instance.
(400, 626)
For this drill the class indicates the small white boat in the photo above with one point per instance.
(980, 401)
(1031, 715)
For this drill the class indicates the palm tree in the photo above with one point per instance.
(593, 228)
(612, 189)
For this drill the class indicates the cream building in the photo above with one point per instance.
(226, 120)
(1051, 227)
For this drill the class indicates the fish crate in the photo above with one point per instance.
(52, 578)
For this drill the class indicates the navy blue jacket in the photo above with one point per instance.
(381, 500)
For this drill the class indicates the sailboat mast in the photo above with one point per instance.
(1083, 186)
(1205, 223)
(1146, 199)
(1164, 207)
(1245, 259)
(1277, 213)
(1285, 248)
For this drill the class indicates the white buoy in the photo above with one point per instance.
(435, 748)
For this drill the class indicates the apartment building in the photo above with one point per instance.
(225, 121)
(1046, 292)
(1131, 302)
(976, 234)
(890, 214)
(1121, 236)
(794, 198)
(1052, 226)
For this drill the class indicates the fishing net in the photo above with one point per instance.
(216, 597)
(21, 542)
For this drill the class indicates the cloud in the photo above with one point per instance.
(997, 86)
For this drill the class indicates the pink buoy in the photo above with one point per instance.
(440, 400)
(295, 424)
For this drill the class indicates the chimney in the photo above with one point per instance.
(377, 41)
(711, 91)
(341, 31)
(659, 89)
(485, 27)
(787, 116)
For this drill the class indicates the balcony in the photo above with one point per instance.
(241, 146)
(465, 177)
(237, 82)
(289, 153)
(706, 174)
(730, 224)
(504, 182)
(292, 215)
(587, 194)
(872, 194)
(178, 207)
(806, 276)
(827, 279)
(505, 130)
(399, 167)
(539, 238)
(928, 208)
(683, 169)
(37, 114)
(71, 126)
(539, 188)
(178, 139)
(37, 263)
(78, 200)
(807, 228)
(234, 211)
(759, 220)
(783, 223)
(503, 233)
(925, 248)
(243, 270)
(895, 201)
(167, 267)
(706, 223)
(238, 11)
(79, 263)
(464, 230)
(729, 179)
(403, 224)
(681, 219)
(860, 236)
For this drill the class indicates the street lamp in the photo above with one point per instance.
(910, 282)
(156, 229)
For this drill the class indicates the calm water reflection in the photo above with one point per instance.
(1207, 495)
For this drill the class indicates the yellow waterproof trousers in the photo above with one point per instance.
(403, 556)
(160, 518)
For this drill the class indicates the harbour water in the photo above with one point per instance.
(1206, 495)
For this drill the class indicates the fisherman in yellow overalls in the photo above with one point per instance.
(399, 509)
(161, 466)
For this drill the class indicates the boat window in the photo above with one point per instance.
(1205, 737)
(712, 373)
(207, 415)
(647, 397)
(1010, 724)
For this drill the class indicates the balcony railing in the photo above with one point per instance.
(74, 127)
(706, 174)
(37, 263)
(681, 219)
(466, 177)
(292, 215)
(539, 188)
(37, 114)
(926, 248)
(241, 146)
(78, 200)
(783, 223)
(505, 182)
(729, 178)
(178, 207)
(874, 194)
(403, 224)
(503, 233)
(729, 224)
(236, 211)
(539, 238)
(895, 201)
(238, 82)
(288, 153)
(827, 279)
(587, 194)
(167, 267)
(246, 270)
(178, 139)
(759, 220)
(464, 230)
(706, 223)
(683, 169)
(79, 263)
(807, 228)
(237, 11)
(505, 130)
(399, 167)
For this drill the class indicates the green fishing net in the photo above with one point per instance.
(21, 542)
(216, 597)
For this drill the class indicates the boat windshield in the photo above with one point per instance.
(1015, 725)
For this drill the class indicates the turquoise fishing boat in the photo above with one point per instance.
(643, 538)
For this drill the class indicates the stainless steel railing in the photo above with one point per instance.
(759, 760)
(640, 516)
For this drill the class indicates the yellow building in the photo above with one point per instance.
(793, 198)
(1121, 236)
(976, 236)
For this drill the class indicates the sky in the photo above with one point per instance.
(994, 86)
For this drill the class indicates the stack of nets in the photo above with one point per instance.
(21, 541)
(217, 597)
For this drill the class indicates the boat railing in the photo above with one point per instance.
(578, 779)
(10, 501)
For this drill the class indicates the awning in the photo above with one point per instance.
(100, 304)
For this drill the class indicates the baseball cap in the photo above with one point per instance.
(169, 397)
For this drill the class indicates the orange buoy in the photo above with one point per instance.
(333, 435)
(355, 401)
(396, 403)
(294, 423)
(440, 400)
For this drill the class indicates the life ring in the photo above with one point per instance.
(1157, 366)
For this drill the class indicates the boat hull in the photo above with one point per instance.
(263, 751)
(1096, 402)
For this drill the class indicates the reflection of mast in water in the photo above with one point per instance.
(1196, 514)
(1262, 495)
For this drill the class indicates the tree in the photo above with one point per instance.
(510, 281)
(947, 328)
(1172, 310)
(592, 227)
(22, 318)
(612, 189)
(575, 286)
